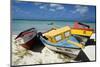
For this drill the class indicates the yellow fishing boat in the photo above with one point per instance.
(81, 29)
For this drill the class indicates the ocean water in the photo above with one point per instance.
(18, 26)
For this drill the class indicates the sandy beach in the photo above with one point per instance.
(74, 35)
(21, 56)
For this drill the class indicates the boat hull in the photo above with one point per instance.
(30, 40)
(71, 52)
(67, 51)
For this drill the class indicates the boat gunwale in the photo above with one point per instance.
(89, 29)
(41, 38)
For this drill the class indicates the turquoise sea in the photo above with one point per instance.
(18, 26)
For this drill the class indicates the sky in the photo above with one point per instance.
(52, 11)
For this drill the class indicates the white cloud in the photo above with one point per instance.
(50, 7)
(57, 6)
(42, 7)
(60, 8)
(80, 9)
(37, 3)
(54, 5)
(53, 10)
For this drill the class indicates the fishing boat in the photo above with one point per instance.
(61, 40)
(81, 29)
(57, 39)
(29, 40)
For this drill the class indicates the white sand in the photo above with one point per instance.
(21, 56)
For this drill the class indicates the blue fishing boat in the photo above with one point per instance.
(61, 40)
